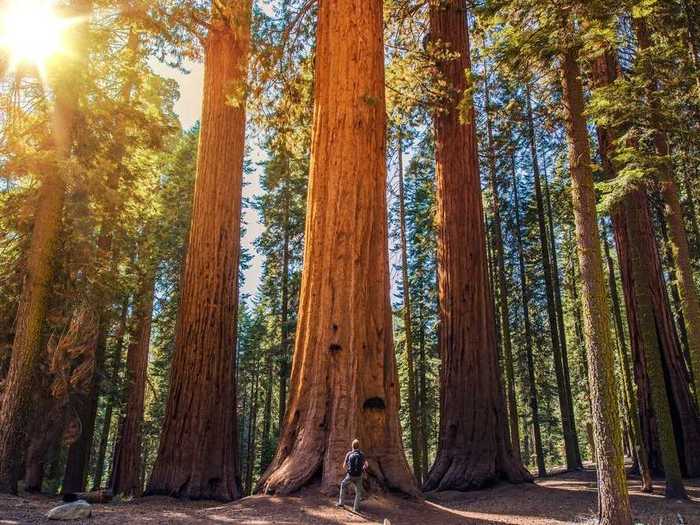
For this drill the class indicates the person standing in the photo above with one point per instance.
(354, 465)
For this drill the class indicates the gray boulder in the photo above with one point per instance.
(76, 510)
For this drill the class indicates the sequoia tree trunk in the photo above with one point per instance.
(646, 295)
(649, 327)
(198, 453)
(689, 297)
(639, 448)
(613, 500)
(474, 448)
(126, 465)
(16, 411)
(344, 382)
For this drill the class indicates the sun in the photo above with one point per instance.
(31, 31)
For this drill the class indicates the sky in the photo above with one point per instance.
(189, 109)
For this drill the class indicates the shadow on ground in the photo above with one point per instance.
(568, 498)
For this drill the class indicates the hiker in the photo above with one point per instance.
(354, 464)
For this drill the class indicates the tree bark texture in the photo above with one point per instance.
(198, 456)
(613, 500)
(344, 382)
(689, 297)
(16, 411)
(474, 448)
(107, 423)
(650, 329)
(640, 450)
(126, 466)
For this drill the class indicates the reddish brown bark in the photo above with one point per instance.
(197, 457)
(673, 213)
(474, 447)
(647, 295)
(126, 466)
(651, 330)
(344, 382)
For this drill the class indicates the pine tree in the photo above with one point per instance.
(16, 412)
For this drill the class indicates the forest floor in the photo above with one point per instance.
(568, 498)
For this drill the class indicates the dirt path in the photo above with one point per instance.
(561, 499)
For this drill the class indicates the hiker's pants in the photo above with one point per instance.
(357, 482)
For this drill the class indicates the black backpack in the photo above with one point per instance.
(356, 461)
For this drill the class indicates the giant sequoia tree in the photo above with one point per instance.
(197, 455)
(474, 446)
(344, 379)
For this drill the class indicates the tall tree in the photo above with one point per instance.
(673, 213)
(573, 456)
(474, 447)
(197, 454)
(344, 377)
(530, 362)
(613, 500)
(16, 408)
(414, 428)
(503, 296)
(126, 470)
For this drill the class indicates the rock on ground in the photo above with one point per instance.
(76, 510)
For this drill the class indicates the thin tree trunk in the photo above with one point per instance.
(503, 286)
(673, 287)
(344, 378)
(79, 452)
(524, 290)
(252, 432)
(692, 211)
(414, 427)
(613, 499)
(558, 305)
(573, 456)
(197, 457)
(126, 470)
(284, 320)
(107, 424)
(16, 412)
(423, 383)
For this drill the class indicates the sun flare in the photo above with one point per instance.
(31, 31)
